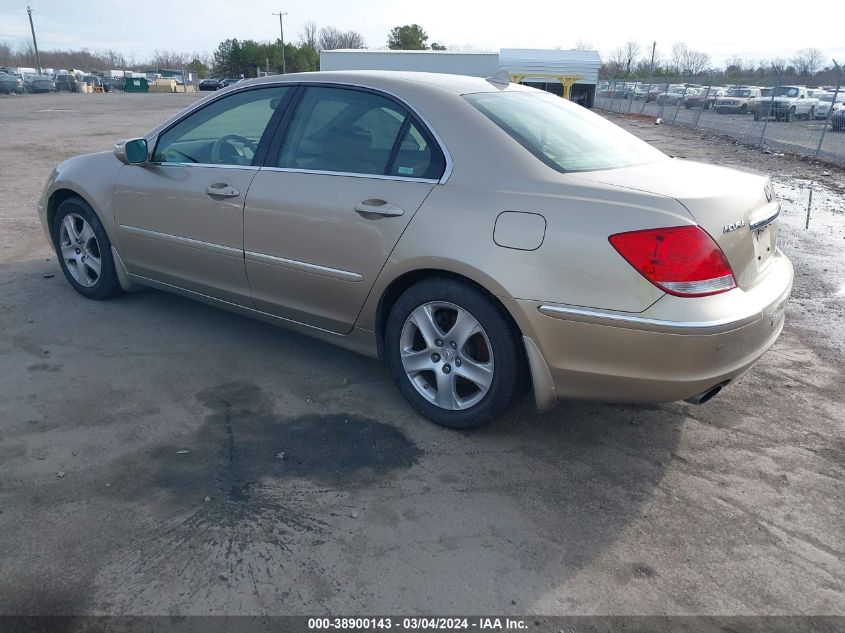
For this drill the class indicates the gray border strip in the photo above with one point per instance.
(283, 262)
(211, 247)
(645, 323)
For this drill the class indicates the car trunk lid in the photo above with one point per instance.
(739, 210)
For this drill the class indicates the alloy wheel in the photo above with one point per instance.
(446, 355)
(80, 250)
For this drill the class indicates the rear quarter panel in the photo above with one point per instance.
(574, 265)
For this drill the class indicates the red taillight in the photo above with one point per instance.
(681, 260)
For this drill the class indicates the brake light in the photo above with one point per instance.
(681, 260)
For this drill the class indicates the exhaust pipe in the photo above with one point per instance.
(704, 396)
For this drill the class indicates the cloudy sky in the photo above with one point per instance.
(720, 27)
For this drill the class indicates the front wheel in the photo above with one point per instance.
(453, 353)
(84, 250)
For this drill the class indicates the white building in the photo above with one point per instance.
(542, 68)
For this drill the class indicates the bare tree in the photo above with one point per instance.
(6, 55)
(697, 62)
(807, 61)
(685, 61)
(169, 59)
(332, 38)
(630, 51)
(308, 35)
(353, 39)
(779, 65)
(615, 63)
(581, 45)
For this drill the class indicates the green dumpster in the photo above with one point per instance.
(136, 84)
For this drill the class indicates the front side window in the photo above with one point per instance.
(563, 135)
(225, 132)
(356, 132)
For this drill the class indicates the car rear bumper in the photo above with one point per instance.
(676, 350)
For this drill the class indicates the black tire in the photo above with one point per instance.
(756, 115)
(509, 367)
(790, 115)
(811, 114)
(743, 109)
(107, 285)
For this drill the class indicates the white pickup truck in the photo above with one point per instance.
(786, 103)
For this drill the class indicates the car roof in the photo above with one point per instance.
(388, 80)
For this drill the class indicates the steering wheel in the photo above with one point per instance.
(217, 148)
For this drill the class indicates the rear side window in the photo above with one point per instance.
(357, 132)
(565, 136)
(417, 156)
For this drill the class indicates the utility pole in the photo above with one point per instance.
(282, 40)
(34, 42)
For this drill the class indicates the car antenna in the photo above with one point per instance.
(501, 77)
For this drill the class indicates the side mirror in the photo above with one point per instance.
(132, 152)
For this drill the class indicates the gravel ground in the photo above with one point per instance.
(164, 457)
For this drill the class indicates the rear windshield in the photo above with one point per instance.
(565, 136)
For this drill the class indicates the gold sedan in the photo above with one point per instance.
(478, 236)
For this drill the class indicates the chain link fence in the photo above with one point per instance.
(764, 109)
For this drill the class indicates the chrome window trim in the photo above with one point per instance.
(244, 167)
(293, 264)
(211, 247)
(297, 170)
(201, 103)
(645, 323)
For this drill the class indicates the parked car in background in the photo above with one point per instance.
(362, 208)
(641, 92)
(826, 102)
(837, 120)
(11, 84)
(211, 84)
(675, 95)
(93, 81)
(786, 104)
(40, 83)
(736, 99)
(229, 82)
(655, 90)
(66, 83)
(704, 97)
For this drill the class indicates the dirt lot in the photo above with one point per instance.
(734, 507)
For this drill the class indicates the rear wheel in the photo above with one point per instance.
(790, 115)
(453, 353)
(84, 250)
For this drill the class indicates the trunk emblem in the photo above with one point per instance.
(733, 226)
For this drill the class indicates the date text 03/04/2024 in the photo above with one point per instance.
(417, 623)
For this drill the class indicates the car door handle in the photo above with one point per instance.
(222, 190)
(378, 207)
